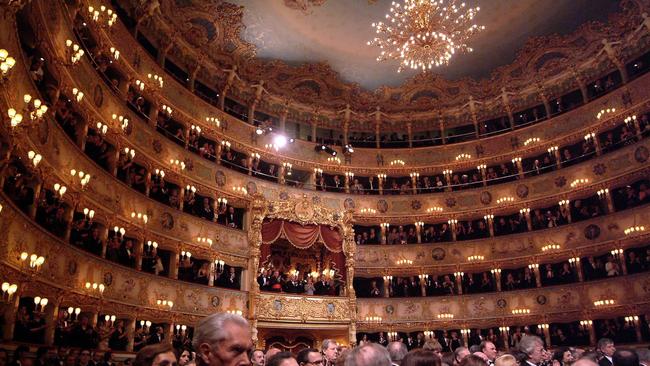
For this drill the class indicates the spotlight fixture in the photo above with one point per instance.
(326, 149)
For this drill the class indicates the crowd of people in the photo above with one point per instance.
(274, 280)
(224, 339)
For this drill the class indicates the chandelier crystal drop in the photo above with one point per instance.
(421, 34)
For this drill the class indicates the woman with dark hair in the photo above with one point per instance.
(421, 357)
(184, 356)
(563, 356)
(160, 354)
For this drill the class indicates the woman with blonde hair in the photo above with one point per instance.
(506, 360)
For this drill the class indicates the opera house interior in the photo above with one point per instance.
(425, 182)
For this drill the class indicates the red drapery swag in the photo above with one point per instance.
(302, 236)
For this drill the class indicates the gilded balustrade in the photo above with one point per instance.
(512, 251)
(498, 148)
(547, 305)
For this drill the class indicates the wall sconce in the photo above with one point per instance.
(419, 224)
(434, 209)
(579, 182)
(220, 263)
(617, 253)
(83, 177)
(157, 80)
(190, 188)
(465, 331)
(318, 171)
(33, 261)
(177, 165)
(180, 329)
(139, 85)
(516, 160)
(34, 107)
(630, 120)
(446, 316)
(368, 211)
(474, 258)
(602, 193)
(551, 150)
(481, 167)
(159, 173)
(415, 175)
(78, 94)
(73, 313)
(504, 330)
(168, 304)
(234, 311)
(222, 201)
(590, 136)
(226, 144)
(123, 121)
(397, 162)
(495, 271)
(574, 261)
(403, 262)
(349, 175)
(34, 157)
(110, 320)
(140, 217)
(564, 203)
(429, 334)
(463, 156)
(507, 199)
(195, 129)
(14, 117)
(60, 189)
(6, 64)
(532, 140)
(145, 324)
(95, 287)
(334, 160)
(447, 172)
(524, 211)
(543, 326)
(151, 246)
(240, 190)
(632, 319)
(459, 274)
(119, 230)
(603, 112)
(585, 324)
(382, 176)
(373, 319)
(115, 53)
(533, 266)
(213, 120)
(104, 17)
(40, 303)
(522, 311)
(74, 52)
(634, 229)
(548, 247)
(423, 276)
(88, 213)
(452, 221)
(606, 302)
(488, 217)
(387, 278)
(167, 111)
(203, 240)
(8, 290)
(384, 225)
(186, 255)
(392, 336)
(102, 128)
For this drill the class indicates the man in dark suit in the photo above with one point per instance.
(410, 342)
(606, 349)
(322, 287)
(263, 280)
(293, 286)
(126, 255)
(445, 342)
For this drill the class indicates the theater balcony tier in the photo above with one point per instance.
(302, 154)
(588, 237)
(631, 295)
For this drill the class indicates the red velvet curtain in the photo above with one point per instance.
(302, 236)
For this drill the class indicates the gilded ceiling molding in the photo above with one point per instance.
(548, 58)
(303, 5)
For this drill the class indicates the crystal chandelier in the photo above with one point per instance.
(425, 33)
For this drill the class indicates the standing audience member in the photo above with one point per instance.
(606, 350)
(222, 339)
